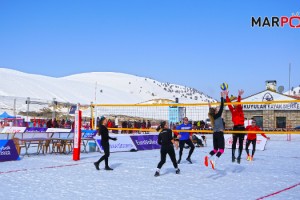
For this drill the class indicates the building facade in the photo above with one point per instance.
(269, 116)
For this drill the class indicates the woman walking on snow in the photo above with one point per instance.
(103, 131)
(166, 140)
(215, 115)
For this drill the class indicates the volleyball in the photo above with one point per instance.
(224, 86)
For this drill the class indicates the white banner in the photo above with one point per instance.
(123, 143)
(283, 106)
(260, 142)
(13, 129)
(58, 130)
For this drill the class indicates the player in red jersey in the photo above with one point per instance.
(251, 138)
(238, 122)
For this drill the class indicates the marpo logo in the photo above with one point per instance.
(274, 21)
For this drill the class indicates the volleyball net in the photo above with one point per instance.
(273, 117)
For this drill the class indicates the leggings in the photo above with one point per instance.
(181, 145)
(105, 147)
(235, 137)
(167, 149)
(219, 144)
(253, 145)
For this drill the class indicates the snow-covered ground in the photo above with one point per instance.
(273, 172)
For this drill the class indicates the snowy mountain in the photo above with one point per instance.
(97, 87)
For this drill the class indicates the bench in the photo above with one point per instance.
(18, 144)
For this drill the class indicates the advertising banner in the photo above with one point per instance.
(123, 143)
(58, 130)
(77, 135)
(8, 151)
(35, 130)
(260, 142)
(88, 133)
(13, 129)
(145, 142)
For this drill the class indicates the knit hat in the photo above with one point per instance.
(102, 118)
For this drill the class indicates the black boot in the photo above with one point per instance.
(106, 164)
(189, 160)
(96, 165)
(238, 160)
(239, 157)
(177, 171)
(233, 155)
(108, 168)
(156, 174)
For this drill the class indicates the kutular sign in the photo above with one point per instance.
(285, 106)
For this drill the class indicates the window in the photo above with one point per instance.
(259, 121)
(280, 122)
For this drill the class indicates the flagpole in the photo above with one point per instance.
(290, 79)
(95, 110)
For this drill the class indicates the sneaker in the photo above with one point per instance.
(189, 160)
(178, 162)
(97, 166)
(206, 161)
(213, 164)
(249, 158)
(238, 160)
(177, 171)
(156, 174)
(108, 168)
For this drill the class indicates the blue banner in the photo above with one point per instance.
(35, 130)
(8, 151)
(88, 133)
(145, 142)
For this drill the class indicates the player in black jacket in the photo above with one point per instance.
(103, 131)
(166, 140)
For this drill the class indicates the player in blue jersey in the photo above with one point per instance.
(185, 138)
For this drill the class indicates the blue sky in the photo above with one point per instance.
(194, 43)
